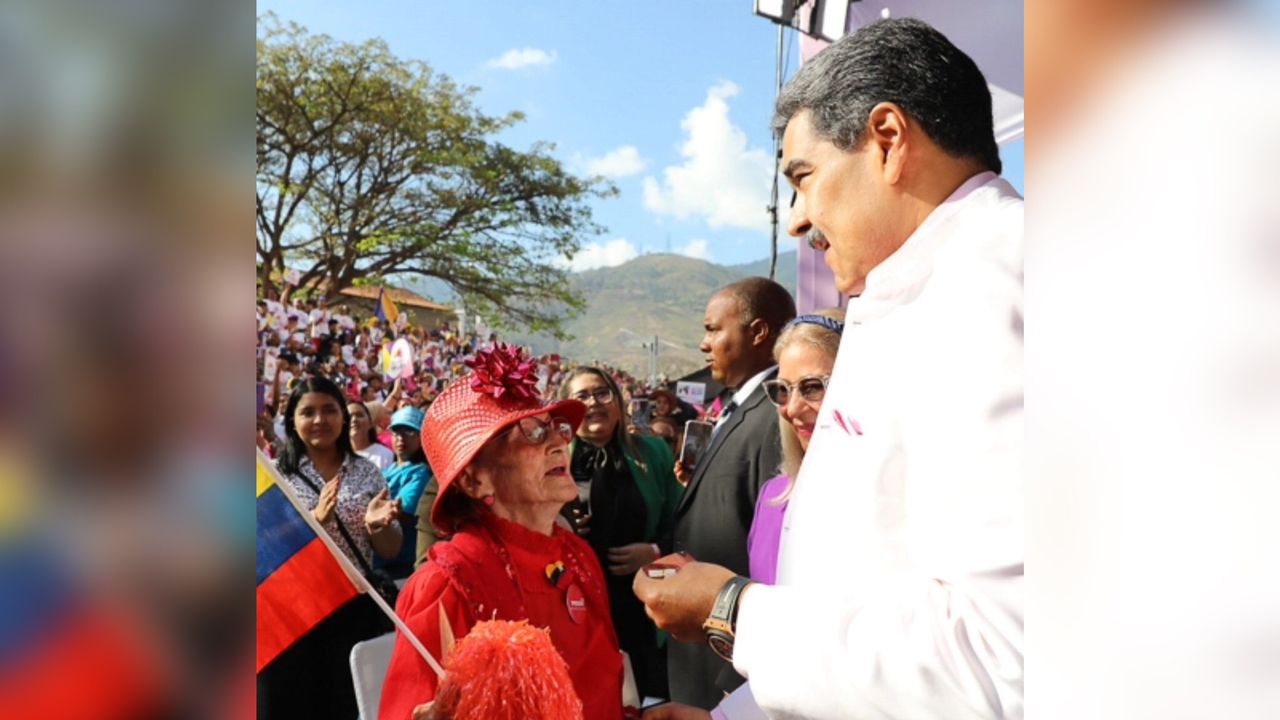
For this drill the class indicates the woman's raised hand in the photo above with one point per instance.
(381, 511)
(328, 500)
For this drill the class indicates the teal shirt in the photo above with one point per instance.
(406, 482)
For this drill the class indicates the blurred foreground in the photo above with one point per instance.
(126, 155)
(1152, 355)
(1153, 361)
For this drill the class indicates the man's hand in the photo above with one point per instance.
(675, 711)
(681, 602)
(328, 500)
(627, 559)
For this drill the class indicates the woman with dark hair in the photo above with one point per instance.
(664, 428)
(349, 498)
(627, 495)
(666, 404)
(364, 438)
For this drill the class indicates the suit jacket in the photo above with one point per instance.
(711, 523)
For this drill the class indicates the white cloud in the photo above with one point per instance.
(517, 58)
(696, 249)
(721, 179)
(619, 162)
(595, 255)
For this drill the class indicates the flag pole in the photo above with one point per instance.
(356, 577)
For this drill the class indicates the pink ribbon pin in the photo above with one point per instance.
(846, 425)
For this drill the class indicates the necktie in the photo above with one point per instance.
(724, 417)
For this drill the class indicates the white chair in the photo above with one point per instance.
(369, 661)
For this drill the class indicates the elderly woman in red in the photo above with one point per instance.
(502, 462)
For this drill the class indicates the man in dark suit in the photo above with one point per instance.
(742, 323)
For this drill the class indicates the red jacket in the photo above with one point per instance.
(468, 576)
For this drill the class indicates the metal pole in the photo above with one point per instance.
(777, 158)
(653, 362)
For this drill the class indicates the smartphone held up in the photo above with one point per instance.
(697, 436)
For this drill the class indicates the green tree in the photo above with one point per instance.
(371, 166)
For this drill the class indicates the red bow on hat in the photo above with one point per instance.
(501, 370)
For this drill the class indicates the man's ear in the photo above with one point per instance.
(759, 331)
(887, 135)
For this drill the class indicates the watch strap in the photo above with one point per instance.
(725, 609)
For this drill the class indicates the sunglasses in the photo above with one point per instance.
(812, 389)
(536, 431)
(602, 395)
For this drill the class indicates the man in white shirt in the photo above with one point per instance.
(275, 309)
(345, 321)
(900, 569)
(289, 329)
(319, 318)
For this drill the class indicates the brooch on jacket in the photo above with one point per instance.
(554, 572)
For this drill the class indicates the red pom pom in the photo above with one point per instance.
(505, 369)
(505, 670)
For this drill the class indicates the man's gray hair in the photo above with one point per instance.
(905, 62)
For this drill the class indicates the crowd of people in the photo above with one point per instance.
(848, 541)
(300, 338)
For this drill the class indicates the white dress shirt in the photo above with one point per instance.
(900, 568)
(743, 393)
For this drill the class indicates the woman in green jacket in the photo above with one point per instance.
(627, 497)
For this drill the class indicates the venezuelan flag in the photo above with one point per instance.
(300, 582)
(386, 308)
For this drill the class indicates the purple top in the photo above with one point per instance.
(766, 532)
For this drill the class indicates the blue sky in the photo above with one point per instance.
(671, 100)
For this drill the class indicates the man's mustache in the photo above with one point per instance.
(816, 240)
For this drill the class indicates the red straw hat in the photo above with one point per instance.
(501, 390)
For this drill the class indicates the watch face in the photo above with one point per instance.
(721, 645)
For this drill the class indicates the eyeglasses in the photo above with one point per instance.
(812, 389)
(536, 431)
(602, 395)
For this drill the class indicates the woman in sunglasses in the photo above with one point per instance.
(627, 496)
(501, 456)
(806, 352)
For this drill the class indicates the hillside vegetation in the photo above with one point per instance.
(658, 294)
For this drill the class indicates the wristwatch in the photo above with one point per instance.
(719, 627)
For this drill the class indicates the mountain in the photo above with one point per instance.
(786, 270)
(656, 294)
